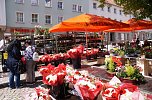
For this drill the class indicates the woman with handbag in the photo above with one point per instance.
(30, 63)
(14, 56)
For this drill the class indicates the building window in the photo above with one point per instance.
(48, 19)
(60, 19)
(74, 8)
(34, 2)
(120, 12)
(19, 17)
(95, 5)
(48, 3)
(60, 5)
(19, 1)
(115, 11)
(79, 8)
(34, 18)
(109, 9)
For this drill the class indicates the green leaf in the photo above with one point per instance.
(139, 8)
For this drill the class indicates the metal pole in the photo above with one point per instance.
(86, 40)
(107, 39)
(56, 44)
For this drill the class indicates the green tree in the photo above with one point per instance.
(139, 8)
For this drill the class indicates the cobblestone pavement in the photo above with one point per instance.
(24, 92)
(17, 94)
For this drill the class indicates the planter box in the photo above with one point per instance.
(101, 61)
(111, 74)
(127, 80)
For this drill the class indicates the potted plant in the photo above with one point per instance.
(130, 74)
(110, 67)
(148, 53)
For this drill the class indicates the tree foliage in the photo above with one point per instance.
(139, 8)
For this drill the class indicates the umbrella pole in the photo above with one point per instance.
(107, 39)
(86, 40)
(56, 44)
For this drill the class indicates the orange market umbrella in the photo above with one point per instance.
(87, 22)
(134, 24)
(66, 28)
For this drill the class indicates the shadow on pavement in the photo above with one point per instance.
(23, 83)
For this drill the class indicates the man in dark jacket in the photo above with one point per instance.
(14, 55)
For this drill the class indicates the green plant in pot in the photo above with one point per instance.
(130, 52)
(132, 73)
(121, 52)
(110, 65)
(148, 53)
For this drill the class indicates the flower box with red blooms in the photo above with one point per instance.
(93, 51)
(54, 57)
(125, 91)
(88, 88)
(53, 75)
(76, 52)
(111, 94)
(74, 75)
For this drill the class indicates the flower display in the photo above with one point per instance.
(86, 85)
(117, 61)
(132, 73)
(111, 94)
(93, 51)
(118, 52)
(54, 57)
(88, 88)
(53, 75)
(74, 75)
(76, 52)
(46, 58)
(123, 91)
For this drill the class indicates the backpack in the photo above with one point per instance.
(35, 56)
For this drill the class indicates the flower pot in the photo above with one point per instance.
(88, 57)
(59, 91)
(56, 63)
(127, 80)
(95, 56)
(76, 62)
(111, 74)
(148, 56)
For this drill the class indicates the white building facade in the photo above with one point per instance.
(2, 17)
(112, 11)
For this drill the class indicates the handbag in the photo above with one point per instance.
(21, 67)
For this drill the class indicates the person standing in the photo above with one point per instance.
(14, 55)
(30, 64)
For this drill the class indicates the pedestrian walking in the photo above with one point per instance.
(14, 56)
(30, 63)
